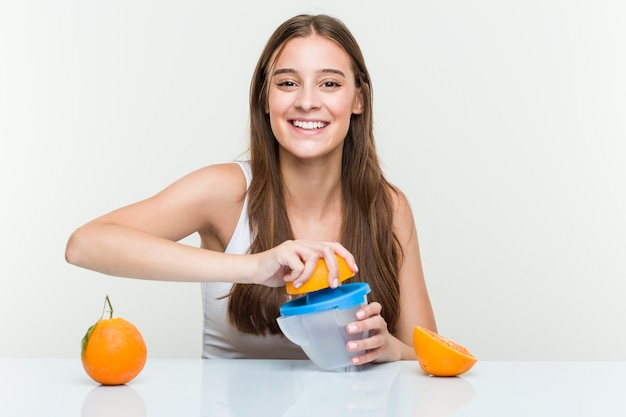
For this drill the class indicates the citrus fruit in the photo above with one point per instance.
(319, 277)
(113, 351)
(439, 356)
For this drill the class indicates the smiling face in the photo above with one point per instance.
(312, 96)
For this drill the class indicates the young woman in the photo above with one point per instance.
(312, 188)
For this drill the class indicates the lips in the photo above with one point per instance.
(309, 125)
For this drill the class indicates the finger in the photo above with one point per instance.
(333, 267)
(367, 357)
(340, 250)
(372, 309)
(301, 276)
(369, 343)
(375, 325)
(370, 346)
(292, 262)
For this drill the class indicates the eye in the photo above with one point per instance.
(286, 84)
(331, 84)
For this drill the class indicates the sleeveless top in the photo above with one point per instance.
(219, 338)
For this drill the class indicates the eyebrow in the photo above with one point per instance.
(323, 71)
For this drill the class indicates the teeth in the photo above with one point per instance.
(309, 125)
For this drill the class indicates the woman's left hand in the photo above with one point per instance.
(380, 345)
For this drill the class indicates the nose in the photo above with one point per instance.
(307, 98)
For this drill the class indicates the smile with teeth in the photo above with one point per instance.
(309, 125)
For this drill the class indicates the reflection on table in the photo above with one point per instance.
(238, 388)
(298, 388)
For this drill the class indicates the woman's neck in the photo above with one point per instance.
(313, 197)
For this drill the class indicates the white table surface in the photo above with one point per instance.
(251, 388)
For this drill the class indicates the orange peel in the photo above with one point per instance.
(319, 277)
(113, 350)
(439, 356)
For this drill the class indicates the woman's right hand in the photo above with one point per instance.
(295, 261)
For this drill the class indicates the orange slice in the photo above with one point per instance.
(439, 356)
(319, 278)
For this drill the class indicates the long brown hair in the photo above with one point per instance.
(367, 196)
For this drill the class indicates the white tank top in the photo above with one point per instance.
(220, 340)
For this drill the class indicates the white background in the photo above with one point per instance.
(503, 121)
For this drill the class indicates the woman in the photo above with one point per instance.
(312, 188)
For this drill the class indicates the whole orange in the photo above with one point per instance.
(319, 278)
(439, 356)
(113, 350)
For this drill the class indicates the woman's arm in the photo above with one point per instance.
(141, 240)
(414, 304)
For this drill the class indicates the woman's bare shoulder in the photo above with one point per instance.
(208, 200)
(403, 220)
(220, 192)
(399, 200)
(224, 181)
(215, 188)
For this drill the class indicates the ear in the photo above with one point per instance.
(357, 106)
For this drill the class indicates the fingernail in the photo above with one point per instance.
(335, 283)
(352, 328)
(355, 360)
(297, 284)
(352, 346)
(356, 268)
(360, 314)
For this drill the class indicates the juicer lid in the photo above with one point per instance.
(342, 297)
